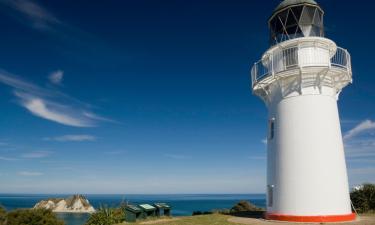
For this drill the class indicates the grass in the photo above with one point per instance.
(218, 219)
(213, 219)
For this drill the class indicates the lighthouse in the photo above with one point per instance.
(300, 78)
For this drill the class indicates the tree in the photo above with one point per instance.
(3, 215)
(363, 198)
(32, 217)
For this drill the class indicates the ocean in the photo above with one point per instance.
(182, 204)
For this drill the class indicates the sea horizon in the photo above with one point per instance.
(20, 193)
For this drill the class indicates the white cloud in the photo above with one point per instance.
(360, 148)
(97, 117)
(32, 14)
(21, 85)
(362, 171)
(29, 173)
(264, 141)
(360, 152)
(73, 137)
(53, 111)
(50, 104)
(360, 128)
(7, 158)
(36, 154)
(56, 77)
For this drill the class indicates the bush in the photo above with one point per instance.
(244, 206)
(363, 199)
(106, 216)
(221, 211)
(3, 216)
(32, 217)
(198, 213)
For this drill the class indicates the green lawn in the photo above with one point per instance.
(213, 219)
(217, 219)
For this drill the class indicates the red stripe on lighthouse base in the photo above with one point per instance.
(311, 219)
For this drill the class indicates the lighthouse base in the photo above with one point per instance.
(312, 219)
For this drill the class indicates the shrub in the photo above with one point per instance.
(3, 216)
(244, 206)
(221, 211)
(32, 217)
(363, 199)
(106, 216)
(198, 213)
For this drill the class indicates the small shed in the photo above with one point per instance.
(162, 209)
(132, 213)
(147, 210)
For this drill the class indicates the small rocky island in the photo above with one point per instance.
(73, 204)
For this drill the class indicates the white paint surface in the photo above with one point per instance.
(306, 163)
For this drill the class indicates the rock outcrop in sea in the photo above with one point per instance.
(73, 204)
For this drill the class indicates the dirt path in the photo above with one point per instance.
(362, 220)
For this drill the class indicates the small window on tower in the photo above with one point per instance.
(270, 195)
(271, 129)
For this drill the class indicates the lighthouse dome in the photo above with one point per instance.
(294, 19)
(287, 3)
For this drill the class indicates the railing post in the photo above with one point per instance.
(348, 61)
(298, 50)
(272, 69)
(255, 74)
(332, 59)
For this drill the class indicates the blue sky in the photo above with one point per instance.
(154, 97)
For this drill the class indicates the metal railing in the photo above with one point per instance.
(288, 59)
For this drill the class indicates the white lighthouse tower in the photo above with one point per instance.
(300, 78)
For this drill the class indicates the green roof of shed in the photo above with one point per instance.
(133, 208)
(162, 205)
(147, 207)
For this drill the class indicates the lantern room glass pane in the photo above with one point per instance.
(291, 20)
(308, 15)
(296, 21)
(317, 19)
(297, 11)
(283, 15)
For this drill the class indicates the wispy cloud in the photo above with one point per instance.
(264, 141)
(56, 77)
(36, 154)
(30, 173)
(360, 152)
(53, 111)
(7, 158)
(99, 118)
(360, 148)
(360, 128)
(72, 137)
(362, 171)
(32, 14)
(359, 144)
(50, 104)
(177, 156)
